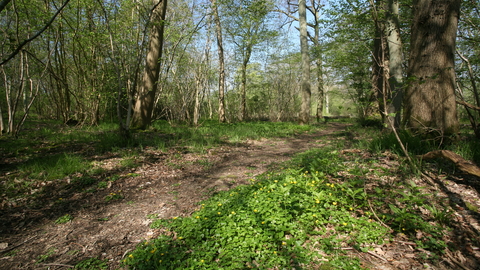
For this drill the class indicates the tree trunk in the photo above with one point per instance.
(221, 64)
(243, 86)
(318, 60)
(380, 60)
(430, 98)
(395, 64)
(305, 85)
(142, 116)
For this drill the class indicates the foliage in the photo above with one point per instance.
(92, 264)
(53, 153)
(277, 221)
(64, 219)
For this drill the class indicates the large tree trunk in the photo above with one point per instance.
(305, 85)
(221, 63)
(430, 99)
(395, 64)
(142, 116)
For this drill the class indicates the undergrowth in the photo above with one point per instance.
(302, 216)
(49, 151)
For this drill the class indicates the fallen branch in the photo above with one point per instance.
(462, 164)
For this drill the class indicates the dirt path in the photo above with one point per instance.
(166, 185)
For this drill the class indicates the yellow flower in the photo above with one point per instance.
(274, 252)
(180, 238)
(334, 203)
(233, 213)
(219, 213)
(159, 261)
(263, 222)
(202, 261)
(153, 250)
(174, 217)
(197, 217)
(255, 210)
(219, 204)
(275, 181)
(317, 201)
(344, 224)
(314, 215)
(130, 256)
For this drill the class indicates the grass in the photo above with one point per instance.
(49, 151)
(301, 216)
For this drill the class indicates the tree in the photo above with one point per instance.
(430, 98)
(394, 43)
(246, 25)
(306, 92)
(142, 115)
(388, 60)
(314, 7)
(221, 63)
(347, 53)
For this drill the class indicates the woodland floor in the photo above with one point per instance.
(169, 184)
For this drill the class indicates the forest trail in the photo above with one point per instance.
(166, 185)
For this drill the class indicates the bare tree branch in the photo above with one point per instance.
(461, 102)
(25, 42)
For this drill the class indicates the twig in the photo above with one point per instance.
(15, 246)
(377, 218)
(378, 256)
(405, 243)
(459, 264)
(58, 264)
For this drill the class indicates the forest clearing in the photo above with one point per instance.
(88, 200)
(239, 134)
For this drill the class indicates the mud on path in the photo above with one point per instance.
(165, 185)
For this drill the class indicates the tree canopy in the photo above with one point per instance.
(83, 60)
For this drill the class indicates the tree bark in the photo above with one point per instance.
(305, 85)
(380, 60)
(395, 80)
(243, 86)
(430, 98)
(315, 10)
(221, 63)
(142, 116)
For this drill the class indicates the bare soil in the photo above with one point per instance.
(170, 184)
